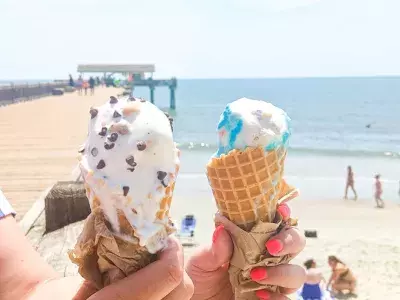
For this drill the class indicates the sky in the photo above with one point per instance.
(44, 39)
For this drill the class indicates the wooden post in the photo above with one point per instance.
(152, 88)
(172, 97)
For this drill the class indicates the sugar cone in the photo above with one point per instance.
(248, 184)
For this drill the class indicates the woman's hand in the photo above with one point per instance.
(162, 279)
(208, 267)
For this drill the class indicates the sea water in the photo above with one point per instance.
(336, 122)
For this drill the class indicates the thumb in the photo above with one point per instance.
(215, 256)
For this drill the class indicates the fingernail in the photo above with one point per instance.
(284, 211)
(216, 233)
(258, 274)
(263, 294)
(225, 266)
(274, 246)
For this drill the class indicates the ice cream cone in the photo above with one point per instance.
(129, 165)
(248, 184)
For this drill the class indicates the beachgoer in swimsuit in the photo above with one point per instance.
(350, 183)
(378, 192)
(313, 288)
(342, 278)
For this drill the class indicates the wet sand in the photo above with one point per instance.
(39, 143)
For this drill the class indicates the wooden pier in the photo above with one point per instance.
(136, 76)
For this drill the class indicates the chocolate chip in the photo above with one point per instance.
(113, 100)
(131, 98)
(116, 114)
(142, 100)
(101, 164)
(141, 145)
(109, 146)
(113, 137)
(126, 190)
(131, 161)
(161, 175)
(131, 169)
(103, 131)
(94, 152)
(93, 112)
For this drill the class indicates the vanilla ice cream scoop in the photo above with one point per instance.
(252, 123)
(128, 161)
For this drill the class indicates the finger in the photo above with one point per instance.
(264, 295)
(86, 290)
(286, 276)
(183, 291)
(287, 291)
(154, 281)
(218, 254)
(284, 210)
(287, 241)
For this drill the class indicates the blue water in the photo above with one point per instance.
(329, 118)
(328, 114)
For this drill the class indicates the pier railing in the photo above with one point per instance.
(13, 93)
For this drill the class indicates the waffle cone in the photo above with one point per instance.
(104, 257)
(247, 185)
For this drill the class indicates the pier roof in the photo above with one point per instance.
(116, 68)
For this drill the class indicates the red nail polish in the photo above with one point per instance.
(263, 294)
(217, 231)
(274, 246)
(258, 274)
(284, 211)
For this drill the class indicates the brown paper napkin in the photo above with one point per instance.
(249, 252)
(104, 258)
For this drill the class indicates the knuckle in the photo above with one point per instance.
(175, 273)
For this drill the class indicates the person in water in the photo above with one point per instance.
(378, 192)
(350, 183)
(342, 278)
(313, 287)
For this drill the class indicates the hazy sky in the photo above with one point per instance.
(201, 38)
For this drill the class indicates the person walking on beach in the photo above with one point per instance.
(350, 183)
(85, 86)
(378, 192)
(79, 85)
(91, 84)
(71, 81)
(341, 278)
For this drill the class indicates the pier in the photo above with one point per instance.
(137, 75)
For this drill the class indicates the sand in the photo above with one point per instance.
(38, 144)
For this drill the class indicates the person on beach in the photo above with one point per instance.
(85, 86)
(378, 192)
(350, 183)
(342, 279)
(24, 274)
(71, 81)
(79, 85)
(313, 288)
(91, 84)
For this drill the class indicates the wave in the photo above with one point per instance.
(363, 179)
(303, 150)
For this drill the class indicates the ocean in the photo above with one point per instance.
(336, 122)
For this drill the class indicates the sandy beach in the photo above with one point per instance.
(39, 147)
(362, 236)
